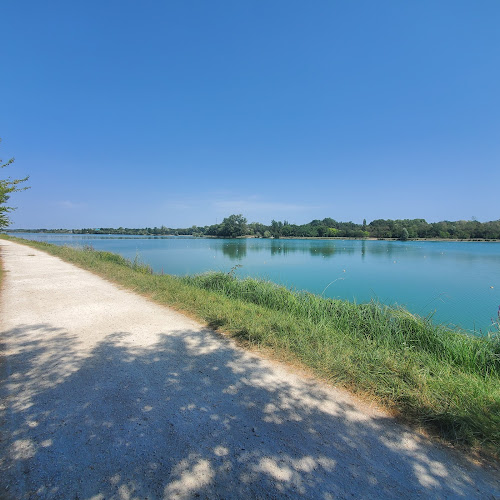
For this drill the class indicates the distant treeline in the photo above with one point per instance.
(237, 226)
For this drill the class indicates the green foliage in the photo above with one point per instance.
(387, 325)
(8, 186)
(236, 226)
(233, 226)
(276, 229)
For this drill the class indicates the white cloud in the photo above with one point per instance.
(70, 204)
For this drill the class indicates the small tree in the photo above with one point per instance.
(8, 186)
(404, 234)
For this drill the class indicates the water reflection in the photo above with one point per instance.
(385, 249)
(281, 247)
(314, 248)
(235, 249)
(324, 251)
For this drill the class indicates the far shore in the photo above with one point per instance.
(476, 240)
(340, 238)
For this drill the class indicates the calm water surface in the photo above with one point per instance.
(456, 282)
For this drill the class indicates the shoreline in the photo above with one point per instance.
(251, 237)
(340, 238)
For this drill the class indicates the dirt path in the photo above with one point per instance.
(106, 395)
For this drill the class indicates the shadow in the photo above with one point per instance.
(191, 416)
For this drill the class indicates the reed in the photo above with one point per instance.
(390, 327)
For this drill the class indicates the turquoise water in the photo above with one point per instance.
(458, 283)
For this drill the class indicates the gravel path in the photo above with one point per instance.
(106, 395)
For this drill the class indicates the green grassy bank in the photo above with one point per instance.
(439, 379)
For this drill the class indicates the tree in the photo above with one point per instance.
(276, 229)
(233, 226)
(8, 186)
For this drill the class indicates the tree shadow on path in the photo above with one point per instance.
(193, 417)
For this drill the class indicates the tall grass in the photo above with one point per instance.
(389, 327)
(440, 379)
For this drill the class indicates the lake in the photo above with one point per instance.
(458, 283)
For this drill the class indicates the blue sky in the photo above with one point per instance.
(175, 113)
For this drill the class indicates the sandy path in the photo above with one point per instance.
(106, 395)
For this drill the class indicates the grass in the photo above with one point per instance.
(438, 379)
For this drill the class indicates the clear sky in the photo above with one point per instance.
(149, 113)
